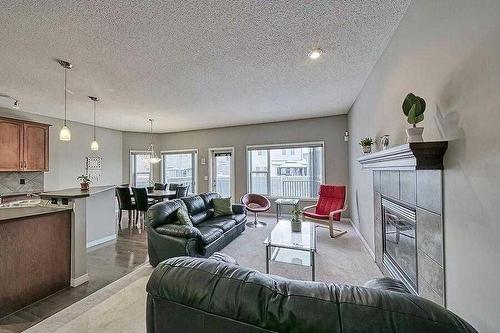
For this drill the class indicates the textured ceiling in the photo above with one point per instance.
(191, 64)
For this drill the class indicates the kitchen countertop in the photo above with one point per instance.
(74, 193)
(21, 212)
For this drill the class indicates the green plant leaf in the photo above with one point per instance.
(412, 115)
(407, 103)
(419, 118)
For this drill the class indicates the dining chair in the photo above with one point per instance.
(172, 186)
(160, 187)
(181, 191)
(142, 202)
(125, 202)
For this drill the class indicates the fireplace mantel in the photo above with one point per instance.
(410, 156)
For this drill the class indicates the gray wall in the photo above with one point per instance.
(448, 52)
(67, 159)
(328, 129)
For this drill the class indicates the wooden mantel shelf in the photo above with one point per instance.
(410, 156)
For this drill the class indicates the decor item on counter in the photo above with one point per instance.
(153, 158)
(414, 108)
(94, 145)
(346, 136)
(65, 134)
(84, 182)
(366, 144)
(384, 141)
(296, 222)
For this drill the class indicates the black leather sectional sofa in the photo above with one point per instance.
(166, 239)
(216, 295)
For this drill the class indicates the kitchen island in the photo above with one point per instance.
(35, 254)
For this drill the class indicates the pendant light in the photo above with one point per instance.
(94, 145)
(153, 158)
(64, 134)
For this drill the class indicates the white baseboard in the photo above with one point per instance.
(101, 240)
(362, 239)
(79, 280)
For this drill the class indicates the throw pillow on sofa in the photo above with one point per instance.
(222, 206)
(183, 217)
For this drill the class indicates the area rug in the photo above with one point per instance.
(120, 306)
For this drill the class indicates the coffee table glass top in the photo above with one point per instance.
(283, 236)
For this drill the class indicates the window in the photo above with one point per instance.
(179, 167)
(289, 170)
(140, 170)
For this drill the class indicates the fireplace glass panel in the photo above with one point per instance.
(399, 225)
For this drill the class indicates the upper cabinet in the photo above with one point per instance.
(24, 146)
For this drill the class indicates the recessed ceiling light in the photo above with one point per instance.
(315, 53)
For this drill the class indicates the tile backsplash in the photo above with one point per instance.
(10, 182)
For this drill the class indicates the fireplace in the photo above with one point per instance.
(399, 242)
(408, 215)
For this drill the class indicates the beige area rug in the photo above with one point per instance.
(120, 306)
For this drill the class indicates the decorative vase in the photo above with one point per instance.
(84, 186)
(384, 141)
(367, 149)
(414, 134)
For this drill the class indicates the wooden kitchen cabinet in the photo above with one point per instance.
(24, 146)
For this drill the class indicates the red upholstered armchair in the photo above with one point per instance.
(330, 205)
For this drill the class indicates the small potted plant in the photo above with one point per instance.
(84, 182)
(296, 222)
(414, 108)
(366, 144)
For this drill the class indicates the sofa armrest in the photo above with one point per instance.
(178, 230)
(161, 246)
(238, 209)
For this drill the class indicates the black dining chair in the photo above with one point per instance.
(172, 186)
(125, 202)
(160, 187)
(142, 202)
(181, 191)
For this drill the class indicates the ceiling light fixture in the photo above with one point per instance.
(94, 145)
(315, 53)
(153, 158)
(65, 134)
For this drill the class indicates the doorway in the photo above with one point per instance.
(221, 173)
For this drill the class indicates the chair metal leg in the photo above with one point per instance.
(255, 223)
(120, 218)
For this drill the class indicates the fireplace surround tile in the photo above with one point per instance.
(376, 181)
(389, 183)
(408, 187)
(429, 190)
(430, 234)
(430, 274)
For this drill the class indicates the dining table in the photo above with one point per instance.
(160, 194)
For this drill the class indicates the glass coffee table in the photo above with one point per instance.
(285, 245)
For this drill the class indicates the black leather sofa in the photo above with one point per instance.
(209, 234)
(207, 295)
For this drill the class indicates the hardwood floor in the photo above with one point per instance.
(106, 264)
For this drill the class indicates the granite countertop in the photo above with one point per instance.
(21, 212)
(76, 192)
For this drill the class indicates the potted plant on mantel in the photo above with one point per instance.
(414, 108)
(366, 144)
(84, 182)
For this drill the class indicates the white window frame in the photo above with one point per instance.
(248, 171)
(182, 151)
(132, 165)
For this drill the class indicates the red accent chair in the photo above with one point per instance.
(330, 205)
(255, 203)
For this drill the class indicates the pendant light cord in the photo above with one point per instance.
(94, 119)
(65, 92)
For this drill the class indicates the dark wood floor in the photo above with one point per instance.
(106, 264)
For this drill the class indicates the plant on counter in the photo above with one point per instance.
(84, 182)
(366, 144)
(296, 220)
(414, 108)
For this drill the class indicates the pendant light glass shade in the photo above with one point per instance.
(94, 145)
(64, 134)
(153, 158)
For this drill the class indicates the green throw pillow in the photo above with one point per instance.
(222, 207)
(183, 217)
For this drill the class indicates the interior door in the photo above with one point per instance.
(222, 172)
(11, 145)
